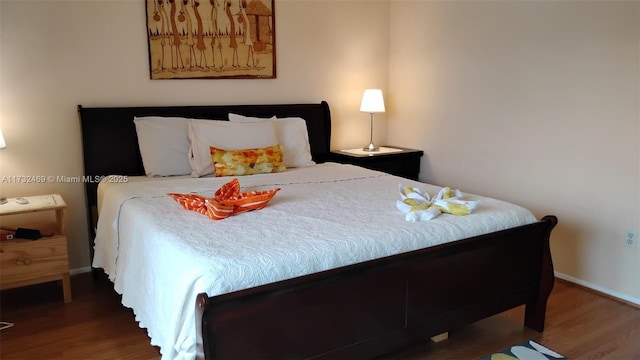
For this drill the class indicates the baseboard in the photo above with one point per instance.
(610, 293)
(81, 270)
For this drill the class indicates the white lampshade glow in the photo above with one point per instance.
(372, 101)
(2, 143)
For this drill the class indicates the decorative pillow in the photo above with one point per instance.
(247, 161)
(164, 145)
(224, 134)
(292, 134)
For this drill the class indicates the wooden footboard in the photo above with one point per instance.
(375, 307)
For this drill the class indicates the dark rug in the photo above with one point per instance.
(526, 350)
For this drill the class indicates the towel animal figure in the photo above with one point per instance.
(419, 206)
(227, 201)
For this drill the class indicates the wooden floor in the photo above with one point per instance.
(580, 325)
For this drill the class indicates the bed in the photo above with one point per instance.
(393, 285)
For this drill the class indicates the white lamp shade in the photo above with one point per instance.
(372, 101)
(2, 143)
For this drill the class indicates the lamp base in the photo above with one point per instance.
(371, 148)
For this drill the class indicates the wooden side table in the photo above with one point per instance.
(393, 160)
(27, 262)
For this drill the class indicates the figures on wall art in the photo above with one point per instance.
(211, 39)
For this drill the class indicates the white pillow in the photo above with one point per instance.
(292, 134)
(225, 135)
(164, 145)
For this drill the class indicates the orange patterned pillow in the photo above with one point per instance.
(247, 161)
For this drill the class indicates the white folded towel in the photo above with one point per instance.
(420, 206)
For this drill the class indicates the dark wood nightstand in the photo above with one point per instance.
(394, 160)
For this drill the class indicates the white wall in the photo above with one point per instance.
(55, 55)
(536, 102)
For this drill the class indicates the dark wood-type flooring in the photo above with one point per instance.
(580, 324)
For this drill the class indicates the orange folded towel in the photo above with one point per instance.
(227, 201)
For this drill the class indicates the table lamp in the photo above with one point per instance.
(372, 102)
(2, 143)
(3, 199)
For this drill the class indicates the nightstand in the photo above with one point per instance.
(394, 160)
(27, 262)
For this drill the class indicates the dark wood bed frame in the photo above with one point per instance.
(359, 311)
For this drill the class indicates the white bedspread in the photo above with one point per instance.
(160, 256)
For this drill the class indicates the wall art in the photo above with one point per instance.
(211, 39)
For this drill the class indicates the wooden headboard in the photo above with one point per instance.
(110, 142)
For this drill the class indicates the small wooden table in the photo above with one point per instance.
(27, 262)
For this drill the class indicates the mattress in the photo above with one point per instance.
(160, 256)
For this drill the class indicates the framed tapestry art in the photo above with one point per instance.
(211, 39)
